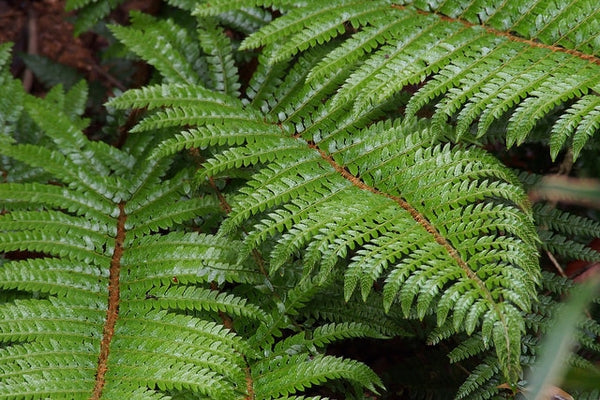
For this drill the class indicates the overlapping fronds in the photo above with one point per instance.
(485, 378)
(89, 229)
(115, 298)
(449, 229)
(337, 151)
(476, 63)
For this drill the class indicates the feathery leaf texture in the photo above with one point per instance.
(476, 63)
(448, 228)
(364, 196)
(118, 299)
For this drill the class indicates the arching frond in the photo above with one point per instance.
(179, 60)
(118, 297)
(476, 63)
(222, 73)
(336, 187)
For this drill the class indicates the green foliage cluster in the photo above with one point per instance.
(286, 187)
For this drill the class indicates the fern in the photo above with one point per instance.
(90, 12)
(372, 191)
(442, 225)
(303, 172)
(470, 57)
(118, 299)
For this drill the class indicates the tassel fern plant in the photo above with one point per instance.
(302, 172)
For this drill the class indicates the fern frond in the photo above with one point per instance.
(32, 195)
(294, 100)
(475, 74)
(214, 109)
(326, 334)
(178, 59)
(80, 230)
(472, 262)
(246, 20)
(226, 133)
(62, 167)
(190, 258)
(568, 248)
(74, 280)
(296, 372)
(481, 375)
(216, 8)
(173, 95)
(222, 72)
(581, 121)
(370, 313)
(90, 12)
(264, 82)
(353, 49)
(11, 107)
(323, 233)
(551, 218)
(194, 298)
(307, 26)
(5, 54)
(535, 20)
(342, 186)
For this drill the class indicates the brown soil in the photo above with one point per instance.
(42, 27)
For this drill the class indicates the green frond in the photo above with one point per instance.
(71, 357)
(478, 75)
(76, 99)
(565, 247)
(191, 115)
(264, 82)
(337, 187)
(316, 23)
(189, 258)
(5, 54)
(472, 388)
(535, 20)
(580, 121)
(246, 20)
(567, 224)
(71, 279)
(393, 163)
(226, 133)
(75, 4)
(295, 100)
(326, 334)
(327, 307)
(166, 214)
(56, 243)
(76, 237)
(74, 160)
(40, 320)
(11, 107)
(89, 12)
(58, 223)
(219, 7)
(173, 95)
(264, 151)
(289, 374)
(178, 59)
(193, 298)
(222, 72)
(62, 167)
(33, 195)
(359, 44)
